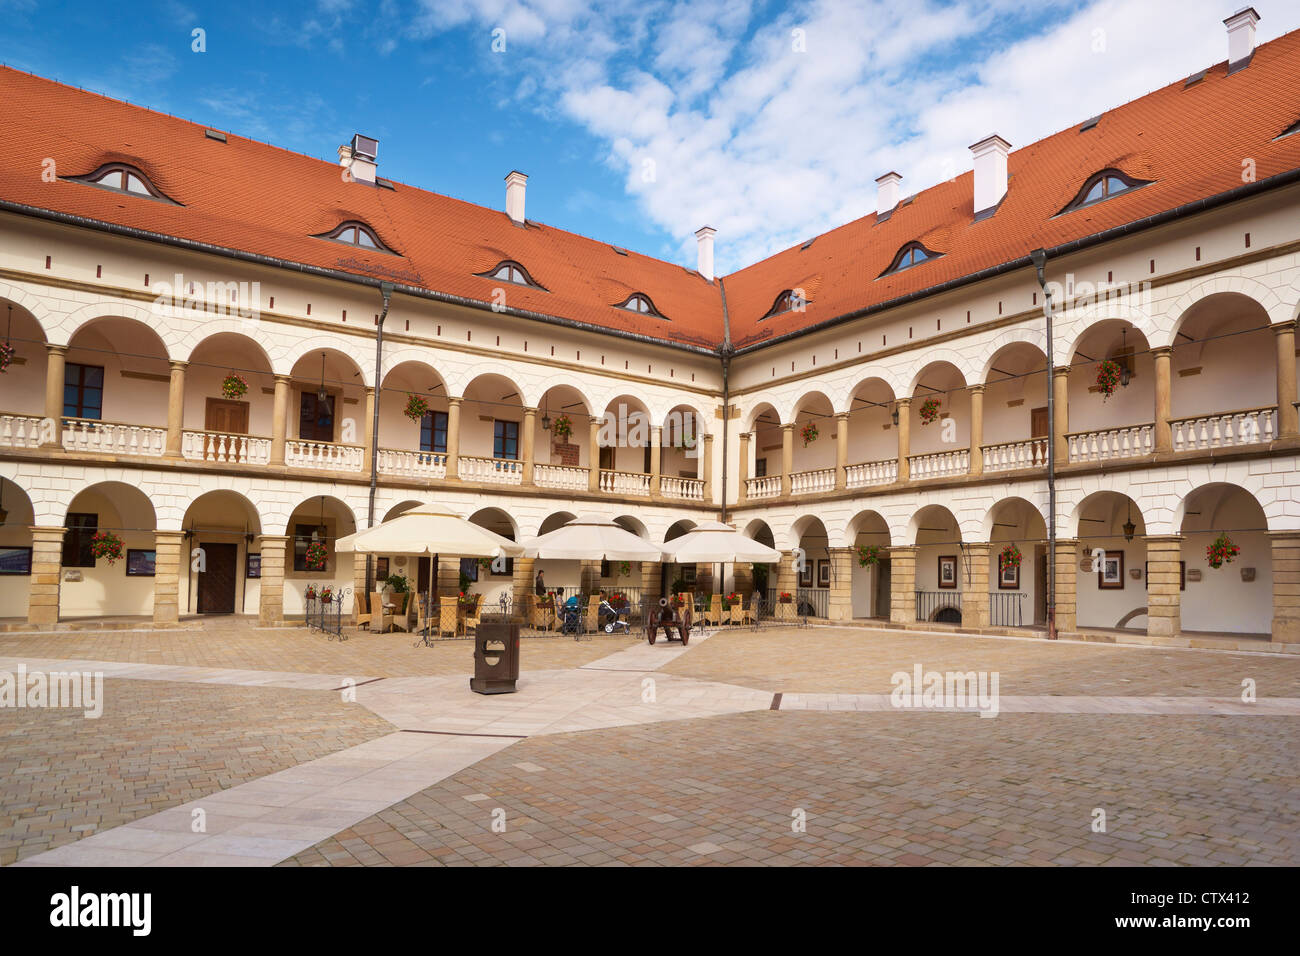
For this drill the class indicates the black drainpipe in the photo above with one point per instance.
(725, 352)
(386, 288)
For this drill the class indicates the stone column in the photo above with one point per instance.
(168, 552)
(368, 430)
(743, 575)
(787, 456)
(904, 427)
(589, 578)
(902, 584)
(743, 490)
(1061, 411)
(448, 572)
(527, 442)
(1164, 607)
(787, 578)
(841, 451)
(1288, 420)
(175, 410)
(54, 377)
(593, 455)
(270, 605)
(651, 577)
(359, 583)
(1286, 586)
(43, 588)
(1164, 399)
(975, 599)
(453, 437)
(841, 593)
(706, 470)
(656, 459)
(1067, 585)
(976, 434)
(280, 425)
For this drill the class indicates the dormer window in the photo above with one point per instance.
(356, 234)
(912, 254)
(1102, 186)
(511, 271)
(640, 303)
(787, 301)
(122, 178)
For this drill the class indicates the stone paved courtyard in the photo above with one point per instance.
(616, 753)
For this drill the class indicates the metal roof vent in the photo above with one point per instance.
(1090, 124)
(365, 147)
(219, 136)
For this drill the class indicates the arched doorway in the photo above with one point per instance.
(320, 519)
(1017, 592)
(216, 576)
(814, 575)
(869, 537)
(941, 570)
(16, 519)
(1112, 544)
(95, 587)
(1236, 597)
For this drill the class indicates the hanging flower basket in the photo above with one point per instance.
(809, 433)
(1221, 552)
(326, 595)
(625, 569)
(929, 410)
(562, 428)
(233, 386)
(732, 599)
(1108, 377)
(317, 556)
(6, 356)
(416, 407)
(485, 563)
(868, 555)
(106, 545)
(310, 594)
(1009, 557)
(466, 599)
(785, 597)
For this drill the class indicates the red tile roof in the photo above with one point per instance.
(250, 197)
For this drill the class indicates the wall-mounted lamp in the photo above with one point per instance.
(321, 394)
(894, 415)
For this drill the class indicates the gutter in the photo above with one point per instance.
(418, 292)
(725, 353)
(1159, 219)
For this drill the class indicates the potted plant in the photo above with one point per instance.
(6, 355)
(234, 386)
(785, 597)
(416, 407)
(1221, 552)
(326, 595)
(868, 555)
(625, 569)
(317, 556)
(106, 545)
(929, 410)
(465, 598)
(562, 428)
(310, 593)
(464, 582)
(1009, 557)
(809, 433)
(1108, 376)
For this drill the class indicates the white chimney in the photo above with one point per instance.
(990, 172)
(887, 192)
(1241, 37)
(515, 184)
(705, 236)
(358, 157)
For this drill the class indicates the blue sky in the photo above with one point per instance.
(639, 120)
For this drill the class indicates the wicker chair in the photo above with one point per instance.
(714, 614)
(474, 615)
(749, 615)
(402, 611)
(381, 615)
(541, 615)
(447, 615)
(736, 613)
(360, 616)
(591, 620)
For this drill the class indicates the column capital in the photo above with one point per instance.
(976, 389)
(841, 416)
(177, 365)
(903, 549)
(530, 410)
(1162, 351)
(743, 436)
(1288, 326)
(1162, 538)
(1061, 371)
(283, 379)
(708, 438)
(55, 349)
(272, 538)
(47, 532)
(168, 535)
(787, 427)
(904, 402)
(454, 399)
(983, 546)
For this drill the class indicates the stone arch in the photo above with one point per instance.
(170, 334)
(987, 525)
(939, 356)
(869, 522)
(1278, 310)
(338, 345)
(1007, 340)
(33, 304)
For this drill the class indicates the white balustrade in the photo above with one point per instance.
(867, 473)
(218, 447)
(1008, 456)
(20, 431)
(690, 489)
(769, 486)
(939, 465)
(113, 438)
(624, 483)
(1128, 441)
(1225, 430)
(812, 482)
(322, 455)
(412, 464)
(565, 477)
(497, 471)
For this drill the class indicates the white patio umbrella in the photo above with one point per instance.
(592, 538)
(712, 542)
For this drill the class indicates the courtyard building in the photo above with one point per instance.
(196, 372)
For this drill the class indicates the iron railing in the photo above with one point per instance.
(939, 607)
(1006, 608)
(326, 616)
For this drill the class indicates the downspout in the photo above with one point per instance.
(725, 351)
(1039, 259)
(386, 288)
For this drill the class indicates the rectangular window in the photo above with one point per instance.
(15, 560)
(505, 440)
(433, 432)
(83, 391)
(302, 536)
(760, 467)
(316, 418)
(469, 568)
(76, 540)
(140, 563)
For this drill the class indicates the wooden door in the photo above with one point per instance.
(880, 608)
(217, 581)
(316, 418)
(227, 417)
(1038, 423)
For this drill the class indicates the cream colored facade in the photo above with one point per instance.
(1202, 439)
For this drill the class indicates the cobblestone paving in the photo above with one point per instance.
(901, 789)
(238, 645)
(861, 661)
(157, 745)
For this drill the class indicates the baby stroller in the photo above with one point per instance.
(571, 617)
(610, 620)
